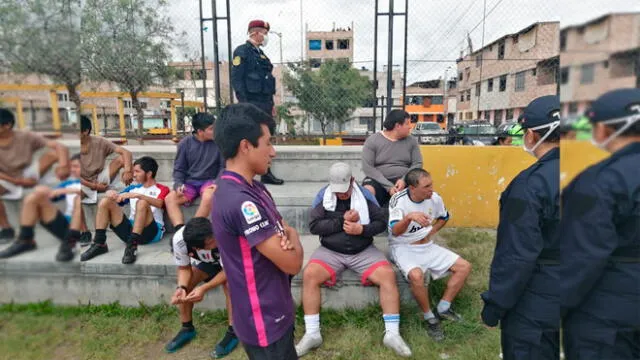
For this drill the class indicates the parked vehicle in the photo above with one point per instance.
(478, 131)
(428, 133)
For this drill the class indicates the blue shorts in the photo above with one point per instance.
(152, 233)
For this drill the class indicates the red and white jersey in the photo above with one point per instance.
(156, 191)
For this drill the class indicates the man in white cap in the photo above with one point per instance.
(346, 216)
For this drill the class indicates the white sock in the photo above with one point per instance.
(443, 306)
(429, 315)
(392, 323)
(312, 324)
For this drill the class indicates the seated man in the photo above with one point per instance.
(95, 150)
(347, 217)
(388, 155)
(198, 162)
(18, 170)
(411, 213)
(38, 205)
(198, 260)
(145, 223)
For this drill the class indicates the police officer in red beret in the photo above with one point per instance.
(251, 76)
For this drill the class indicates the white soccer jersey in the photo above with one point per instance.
(401, 205)
(69, 198)
(157, 191)
(181, 252)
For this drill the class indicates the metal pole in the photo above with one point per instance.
(484, 18)
(33, 116)
(375, 68)
(406, 31)
(204, 69)
(390, 58)
(182, 111)
(216, 60)
(302, 34)
(230, 54)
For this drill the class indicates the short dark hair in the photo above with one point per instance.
(6, 117)
(147, 163)
(395, 117)
(197, 230)
(201, 121)
(414, 175)
(238, 122)
(75, 157)
(85, 124)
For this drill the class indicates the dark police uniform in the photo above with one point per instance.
(251, 77)
(523, 286)
(600, 247)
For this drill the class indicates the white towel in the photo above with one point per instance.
(358, 203)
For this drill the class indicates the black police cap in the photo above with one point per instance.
(615, 104)
(541, 111)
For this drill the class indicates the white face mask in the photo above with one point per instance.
(266, 40)
(552, 126)
(628, 120)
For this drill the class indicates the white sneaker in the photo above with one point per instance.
(397, 344)
(308, 343)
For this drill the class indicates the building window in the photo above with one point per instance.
(143, 104)
(509, 114)
(515, 39)
(573, 108)
(197, 74)
(587, 74)
(343, 44)
(490, 85)
(462, 96)
(315, 63)
(606, 64)
(478, 60)
(477, 89)
(315, 45)
(437, 100)
(414, 100)
(501, 50)
(564, 75)
(520, 80)
(497, 116)
(127, 104)
(63, 97)
(534, 72)
(328, 44)
(468, 95)
(563, 41)
(366, 120)
(199, 92)
(503, 83)
(460, 76)
(393, 84)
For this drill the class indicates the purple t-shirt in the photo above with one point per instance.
(243, 216)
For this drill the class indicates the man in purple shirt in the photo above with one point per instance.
(258, 249)
(198, 162)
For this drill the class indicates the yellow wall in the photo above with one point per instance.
(470, 179)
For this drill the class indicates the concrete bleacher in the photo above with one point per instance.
(35, 276)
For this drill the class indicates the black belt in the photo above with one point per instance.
(626, 254)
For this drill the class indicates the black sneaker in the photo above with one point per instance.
(226, 345)
(18, 247)
(450, 315)
(434, 330)
(130, 254)
(6, 235)
(85, 239)
(93, 251)
(65, 253)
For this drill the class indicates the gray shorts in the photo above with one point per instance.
(363, 263)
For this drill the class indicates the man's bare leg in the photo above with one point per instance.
(108, 213)
(46, 161)
(313, 277)
(419, 290)
(173, 202)
(114, 167)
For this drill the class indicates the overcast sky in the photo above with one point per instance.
(437, 28)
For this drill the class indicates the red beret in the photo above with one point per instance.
(258, 24)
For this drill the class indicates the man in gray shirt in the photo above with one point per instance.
(388, 155)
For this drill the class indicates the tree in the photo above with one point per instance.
(43, 37)
(330, 94)
(283, 114)
(128, 43)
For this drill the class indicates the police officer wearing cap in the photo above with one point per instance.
(251, 76)
(600, 244)
(523, 290)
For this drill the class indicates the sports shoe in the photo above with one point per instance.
(85, 238)
(6, 235)
(18, 247)
(130, 254)
(397, 344)
(184, 336)
(434, 330)
(93, 251)
(65, 253)
(226, 345)
(308, 343)
(450, 315)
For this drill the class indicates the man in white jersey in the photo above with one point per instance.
(412, 213)
(145, 223)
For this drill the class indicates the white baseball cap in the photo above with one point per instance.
(339, 177)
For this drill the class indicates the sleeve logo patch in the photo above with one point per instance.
(250, 212)
(237, 61)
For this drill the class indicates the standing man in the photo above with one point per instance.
(523, 286)
(258, 249)
(252, 79)
(600, 248)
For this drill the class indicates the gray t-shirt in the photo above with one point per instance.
(386, 161)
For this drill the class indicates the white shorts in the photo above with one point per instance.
(15, 192)
(435, 258)
(91, 196)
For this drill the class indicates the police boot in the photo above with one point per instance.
(269, 178)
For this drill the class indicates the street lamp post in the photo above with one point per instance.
(182, 110)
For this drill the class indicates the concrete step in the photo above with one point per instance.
(35, 276)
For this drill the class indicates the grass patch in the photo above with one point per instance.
(46, 331)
